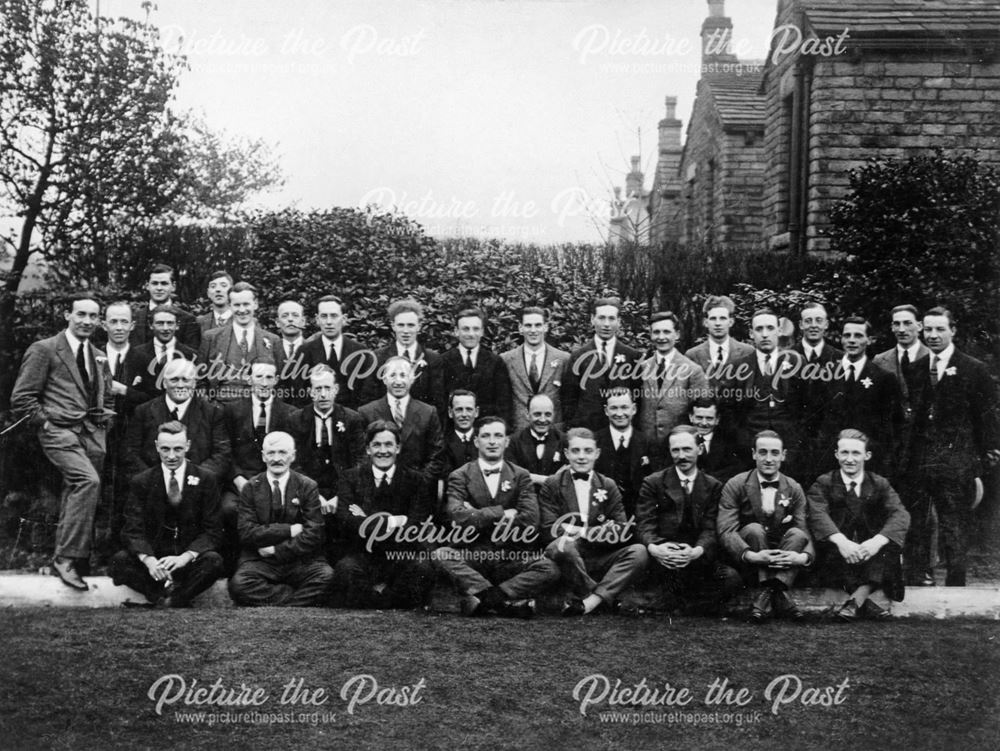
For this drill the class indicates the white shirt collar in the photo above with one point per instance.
(612, 343)
(378, 473)
(484, 465)
(944, 356)
(848, 480)
(682, 477)
(616, 435)
(282, 482)
(178, 473)
(810, 348)
(180, 408)
(74, 343)
(858, 366)
(118, 351)
(913, 350)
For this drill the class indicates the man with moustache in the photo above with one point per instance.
(762, 527)
(675, 520)
(496, 565)
(956, 438)
(422, 443)
(586, 531)
(173, 527)
(228, 351)
(718, 454)
(476, 368)
(64, 391)
(538, 448)
(602, 364)
(670, 382)
(535, 367)
(625, 454)
(350, 362)
(281, 533)
(859, 525)
(219, 284)
(151, 356)
(864, 397)
(718, 354)
(406, 318)
(293, 377)
(161, 287)
(378, 501)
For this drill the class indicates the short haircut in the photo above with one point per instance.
(471, 313)
(322, 370)
(243, 287)
(161, 268)
(119, 304)
(159, 309)
(262, 360)
(171, 427)
(278, 436)
(585, 433)
(462, 392)
(330, 298)
(853, 434)
(704, 402)
(939, 310)
(905, 309)
(534, 310)
(718, 301)
(290, 301)
(857, 321)
(619, 391)
(489, 419)
(380, 426)
(83, 294)
(763, 312)
(812, 306)
(392, 361)
(600, 302)
(408, 305)
(683, 430)
(220, 274)
(178, 364)
(665, 315)
(767, 434)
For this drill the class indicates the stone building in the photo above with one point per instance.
(630, 221)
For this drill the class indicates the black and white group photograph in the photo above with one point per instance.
(529, 374)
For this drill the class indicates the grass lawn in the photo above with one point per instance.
(79, 680)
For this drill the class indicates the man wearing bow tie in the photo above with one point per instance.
(535, 368)
(762, 527)
(676, 519)
(173, 527)
(859, 525)
(281, 533)
(496, 565)
(586, 531)
(538, 448)
(956, 438)
(64, 390)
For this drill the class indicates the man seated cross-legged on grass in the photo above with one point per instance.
(583, 521)
(173, 527)
(379, 505)
(762, 526)
(281, 530)
(493, 555)
(860, 526)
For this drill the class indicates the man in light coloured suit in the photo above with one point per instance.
(535, 367)
(719, 353)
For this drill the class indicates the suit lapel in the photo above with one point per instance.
(672, 486)
(519, 369)
(68, 357)
(754, 495)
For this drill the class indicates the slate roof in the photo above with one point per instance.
(904, 18)
(736, 98)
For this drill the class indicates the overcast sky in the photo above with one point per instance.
(507, 119)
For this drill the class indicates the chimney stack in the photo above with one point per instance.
(716, 36)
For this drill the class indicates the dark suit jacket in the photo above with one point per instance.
(558, 506)
(132, 374)
(188, 330)
(724, 457)
(833, 509)
(814, 378)
(489, 381)
(409, 495)
(198, 520)
(740, 505)
(770, 402)
(423, 443)
(246, 451)
(521, 450)
(585, 383)
(206, 322)
(293, 375)
(227, 369)
(346, 450)
(456, 453)
(49, 387)
(956, 422)
(261, 525)
(206, 429)
(467, 485)
(640, 463)
(660, 510)
(143, 359)
(428, 385)
(910, 381)
(356, 367)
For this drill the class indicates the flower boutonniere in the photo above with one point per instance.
(137, 380)
(557, 383)
(783, 501)
(555, 457)
(341, 428)
(192, 480)
(644, 461)
(294, 501)
(601, 518)
(619, 358)
(267, 343)
(787, 519)
(601, 495)
(867, 383)
(786, 365)
(100, 359)
(950, 371)
(505, 486)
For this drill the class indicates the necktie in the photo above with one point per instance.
(397, 412)
(533, 375)
(173, 489)
(116, 365)
(161, 358)
(686, 484)
(718, 355)
(81, 363)
(813, 355)
(584, 476)
(276, 498)
(621, 443)
(853, 488)
(261, 426)
(469, 365)
(175, 414)
(904, 361)
(661, 372)
(219, 321)
(406, 354)
(488, 472)
(244, 343)
(332, 360)
(604, 353)
(289, 351)
(850, 373)
(324, 431)
(384, 482)
(934, 370)
(769, 484)
(768, 370)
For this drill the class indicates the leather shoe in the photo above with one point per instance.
(65, 570)
(523, 609)
(472, 607)
(926, 580)
(848, 612)
(573, 607)
(872, 612)
(761, 609)
(785, 607)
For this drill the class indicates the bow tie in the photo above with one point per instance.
(581, 476)
(540, 441)
(769, 484)
(488, 472)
